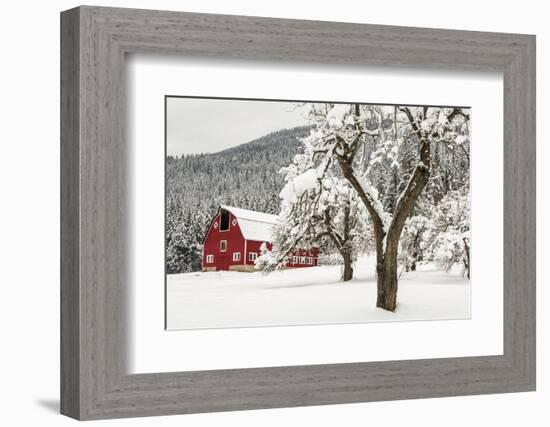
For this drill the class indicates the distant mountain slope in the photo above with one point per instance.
(245, 176)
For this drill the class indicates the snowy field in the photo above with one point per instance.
(312, 295)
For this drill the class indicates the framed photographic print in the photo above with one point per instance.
(262, 213)
(282, 206)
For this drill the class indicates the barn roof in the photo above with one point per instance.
(254, 225)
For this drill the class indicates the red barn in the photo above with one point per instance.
(234, 239)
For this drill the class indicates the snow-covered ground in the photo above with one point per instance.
(312, 295)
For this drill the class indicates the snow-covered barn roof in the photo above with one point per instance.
(254, 225)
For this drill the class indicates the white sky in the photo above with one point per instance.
(210, 125)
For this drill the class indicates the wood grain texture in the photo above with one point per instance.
(94, 267)
(70, 292)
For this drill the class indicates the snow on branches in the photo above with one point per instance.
(363, 171)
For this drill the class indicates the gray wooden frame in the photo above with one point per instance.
(94, 41)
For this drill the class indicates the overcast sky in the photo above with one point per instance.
(209, 125)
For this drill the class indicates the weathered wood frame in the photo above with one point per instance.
(94, 41)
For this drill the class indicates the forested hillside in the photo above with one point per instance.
(245, 176)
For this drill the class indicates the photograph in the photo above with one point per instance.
(308, 212)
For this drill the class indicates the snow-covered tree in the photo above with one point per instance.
(318, 209)
(440, 233)
(184, 233)
(447, 238)
(413, 245)
(324, 212)
(363, 140)
(266, 259)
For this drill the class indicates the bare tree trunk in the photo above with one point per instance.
(387, 277)
(467, 260)
(387, 287)
(342, 242)
(416, 250)
(348, 269)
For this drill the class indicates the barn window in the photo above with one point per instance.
(236, 256)
(308, 260)
(223, 245)
(302, 260)
(209, 259)
(294, 260)
(252, 256)
(224, 220)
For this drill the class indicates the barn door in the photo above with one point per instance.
(224, 261)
